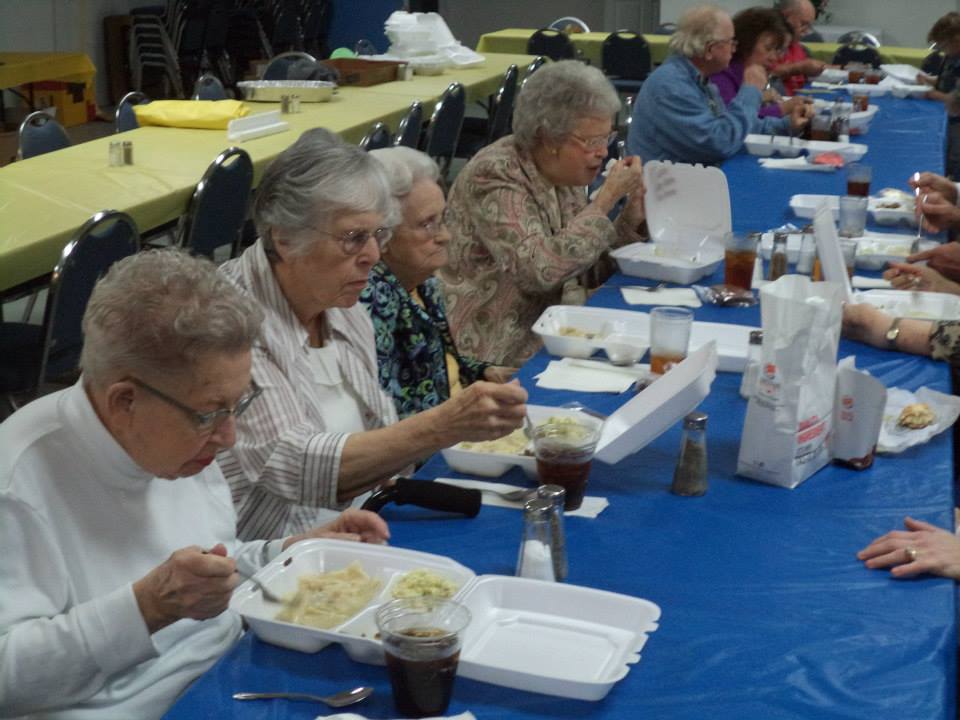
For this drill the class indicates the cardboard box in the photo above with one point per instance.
(73, 101)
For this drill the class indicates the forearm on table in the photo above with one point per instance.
(916, 337)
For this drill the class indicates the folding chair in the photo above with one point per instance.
(626, 60)
(408, 132)
(377, 138)
(124, 117)
(39, 133)
(552, 43)
(443, 131)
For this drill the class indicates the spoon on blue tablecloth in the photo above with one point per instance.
(340, 699)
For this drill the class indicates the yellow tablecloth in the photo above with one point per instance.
(45, 199)
(514, 40)
(17, 68)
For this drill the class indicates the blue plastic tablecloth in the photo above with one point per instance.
(766, 611)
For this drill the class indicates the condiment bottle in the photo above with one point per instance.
(558, 542)
(116, 153)
(808, 251)
(750, 373)
(535, 559)
(778, 258)
(690, 475)
(127, 152)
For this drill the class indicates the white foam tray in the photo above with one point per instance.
(732, 340)
(274, 90)
(766, 146)
(631, 428)
(874, 250)
(805, 206)
(859, 121)
(657, 262)
(912, 304)
(906, 74)
(912, 91)
(550, 638)
(832, 75)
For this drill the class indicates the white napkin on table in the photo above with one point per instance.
(591, 507)
(797, 163)
(894, 439)
(864, 283)
(664, 296)
(354, 716)
(590, 376)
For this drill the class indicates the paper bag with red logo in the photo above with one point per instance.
(787, 431)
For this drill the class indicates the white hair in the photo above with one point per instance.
(311, 182)
(405, 167)
(697, 28)
(155, 313)
(556, 97)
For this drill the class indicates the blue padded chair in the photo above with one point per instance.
(480, 132)
(280, 64)
(408, 132)
(209, 87)
(857, 46)
(218, 207)
(365, 47)
(125, 118)
(552, 43)
(626, 60)
(440, 142)
(39, 134)
(377, 139)
(34, 354)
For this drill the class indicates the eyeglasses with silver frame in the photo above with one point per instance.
(205, 421)
(353, 241)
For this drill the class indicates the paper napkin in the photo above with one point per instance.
(590, 376)
(865, 283)
(665, 296)
(797, 163)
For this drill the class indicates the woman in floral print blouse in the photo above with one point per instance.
(418, 362)
(523, 231)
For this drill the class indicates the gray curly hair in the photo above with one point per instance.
(558, 95)
(312, 181)
(697, 28)
(184, 309)
(405, 167)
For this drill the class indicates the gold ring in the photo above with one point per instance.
(912, 553)
(916, 281)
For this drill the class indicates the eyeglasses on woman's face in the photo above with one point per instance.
(353, 241)
(595, 143)
(435, 225)
(204, 422)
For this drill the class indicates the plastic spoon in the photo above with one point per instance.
(340, 699)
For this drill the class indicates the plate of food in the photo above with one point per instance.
(913, 418)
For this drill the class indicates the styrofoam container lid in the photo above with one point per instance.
(913, 304)
(665, 262)
(732, 340)
(682, 199)
(804, 206)
(875, 250)
(561, 640)
(904, 73)
(765, 146)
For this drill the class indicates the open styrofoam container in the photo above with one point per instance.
(906, 74)
(765, 146)
(913, 304)
(832, 75)
(658, 262)
(731, 340)
(544, 637)
(874, 250)
(859, 120)
(804, 206)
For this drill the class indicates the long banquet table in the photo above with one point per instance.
(45, 199)
(766, 611)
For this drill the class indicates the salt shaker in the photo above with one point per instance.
(808, 250)
(116, 153)
(558, 542)
(778, 257)
(752, 370)
(690, 475)
(535, 559)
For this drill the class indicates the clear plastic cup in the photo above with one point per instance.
(669, 337)
(421, 642)
(739, 257)
(564, 449)
(853, 216)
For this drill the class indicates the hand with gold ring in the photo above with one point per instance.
(921, 549)
(917, 276)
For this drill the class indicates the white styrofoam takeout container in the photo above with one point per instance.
(913, 304)
(656, 262)
(859, 120)
(544, 637)
(906, 74)
(631, 428)
(805, 206)
(732, 340)
(832, 75)
(874, 250)
(765, 146)
(911, 91)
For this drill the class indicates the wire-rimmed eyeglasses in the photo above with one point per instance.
(205, 422)
(353, 241)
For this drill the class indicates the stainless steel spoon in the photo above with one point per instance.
(267, 593)
(340, 699)
(513, 495)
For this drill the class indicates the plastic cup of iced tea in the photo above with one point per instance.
(669, 337)
(564, 448)
(858, 179)
(739, 257)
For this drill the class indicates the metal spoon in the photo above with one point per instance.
(340, 699)
(512, 495)
(267, 593)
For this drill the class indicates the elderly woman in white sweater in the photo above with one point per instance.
(118, 532)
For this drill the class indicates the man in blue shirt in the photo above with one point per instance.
(680, 116)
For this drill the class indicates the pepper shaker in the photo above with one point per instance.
(535, 559)
(127, 152)
(690, 475)
(558, 542)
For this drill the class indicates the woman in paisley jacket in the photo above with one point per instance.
(419, 365)
(522, 228)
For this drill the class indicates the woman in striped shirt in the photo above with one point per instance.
(324, 431)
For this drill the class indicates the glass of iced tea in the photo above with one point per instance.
(739, 257)
(421, 642)
(858, 179)
(564, 449)
(669, 337)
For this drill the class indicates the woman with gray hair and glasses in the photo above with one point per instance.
(324, 431)
(522, 227)
(118, 532)
(419, 363)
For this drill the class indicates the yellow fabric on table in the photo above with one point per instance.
(197, 114)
